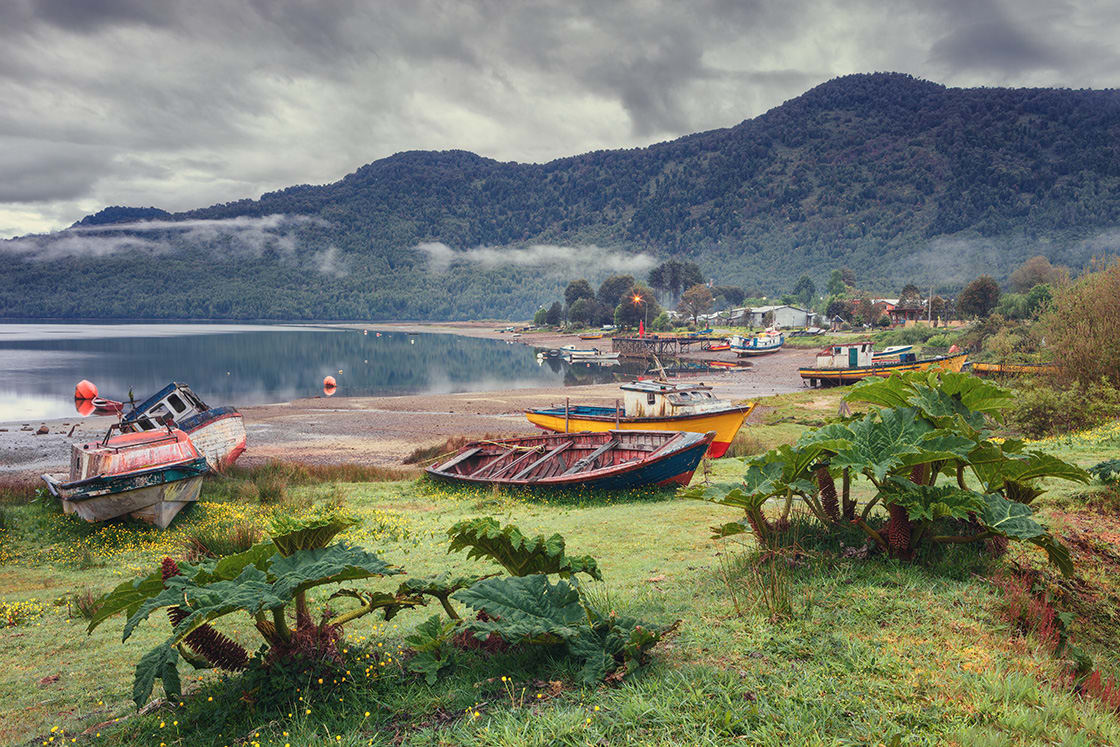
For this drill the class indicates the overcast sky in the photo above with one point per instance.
(183, 104)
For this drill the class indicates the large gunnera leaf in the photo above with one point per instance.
(1015, 520)
(158, 664)
(525, 609)
(930, 503)
(880, 441)
(518, 554)
(331, 565)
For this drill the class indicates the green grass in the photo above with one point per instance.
(870, 650)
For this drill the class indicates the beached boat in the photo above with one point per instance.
(771, 342)
(1012, 369)
(149, 475)
(720, 346)
(217, 432)
(593, 336)
(891, 352)
(653, 405)
(610, 460)
(845, 364)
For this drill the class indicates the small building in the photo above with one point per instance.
(907, 311)
(783, 316)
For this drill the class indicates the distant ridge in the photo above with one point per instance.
(895, 177)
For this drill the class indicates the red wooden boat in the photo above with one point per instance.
(607, 460)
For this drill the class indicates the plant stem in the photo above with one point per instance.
(281, 624)
(870, 505)
(871, 533)
(443, 600)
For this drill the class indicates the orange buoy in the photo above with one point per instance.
(84, 407)
(954, 349)
(328, 381)
(329, 390)
(85, 390)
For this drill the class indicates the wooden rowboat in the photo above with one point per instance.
(1012, 369)
(149, 476)
(610, 460)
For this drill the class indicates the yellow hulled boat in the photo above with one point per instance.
(1012, 369)
(653, 406)
(846, 364)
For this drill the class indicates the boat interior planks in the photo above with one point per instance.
(607, 459)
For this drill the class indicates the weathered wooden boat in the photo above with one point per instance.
(653, 405)
(893, 351)
(1012, 369)
(609, 460)
(758, 345)
(148, 475)
(217, 432)
(593, 336)
(103, 406)
(720, 346)
(846, 364)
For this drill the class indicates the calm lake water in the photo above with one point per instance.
(245, 365)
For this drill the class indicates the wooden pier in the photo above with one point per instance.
(662, 347)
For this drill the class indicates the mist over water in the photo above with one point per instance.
(246, 365)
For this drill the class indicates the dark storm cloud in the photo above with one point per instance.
(987, 38)
(185, 104)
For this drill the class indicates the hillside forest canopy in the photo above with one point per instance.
(892, 178)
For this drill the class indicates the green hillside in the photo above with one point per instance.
(896, 178)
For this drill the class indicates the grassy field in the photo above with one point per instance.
(821, 647)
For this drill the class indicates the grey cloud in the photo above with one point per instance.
(987, 38)
(589, 259)
(37, 171)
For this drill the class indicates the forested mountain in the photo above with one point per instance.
(896, 178)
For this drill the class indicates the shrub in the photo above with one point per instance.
(1042, 408)
(1081, 328)
(83, 604)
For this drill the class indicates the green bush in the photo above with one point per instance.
(1044, 409)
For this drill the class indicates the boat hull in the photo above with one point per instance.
(155, 495)
(669, 461)
(724, 423)
(218, 434)
(1012, 369)
(854, 374)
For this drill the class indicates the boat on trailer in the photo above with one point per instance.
(609, 460)
(148, 475)
(847, 364)
(217, 432)
(771, 342)
(653, 405)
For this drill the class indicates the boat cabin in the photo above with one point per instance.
(856, 355)
(175, 400)
(130, 452)
(658, 399)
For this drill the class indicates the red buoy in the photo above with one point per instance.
(329, 381)
(84, 407)
(85, 390)
(330, 390)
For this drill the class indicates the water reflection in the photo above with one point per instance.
(40, 364)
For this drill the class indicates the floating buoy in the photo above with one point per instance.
(329, 390)
(85, 390)
(84, 407)
(329, 381)
(340, 371)
(365, 331)
(412, 342)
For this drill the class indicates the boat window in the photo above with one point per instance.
(176, 403)
(651, 398)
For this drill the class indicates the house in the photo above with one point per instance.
(783, 316)
(907, 311)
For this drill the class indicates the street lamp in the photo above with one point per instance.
(638, 300)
